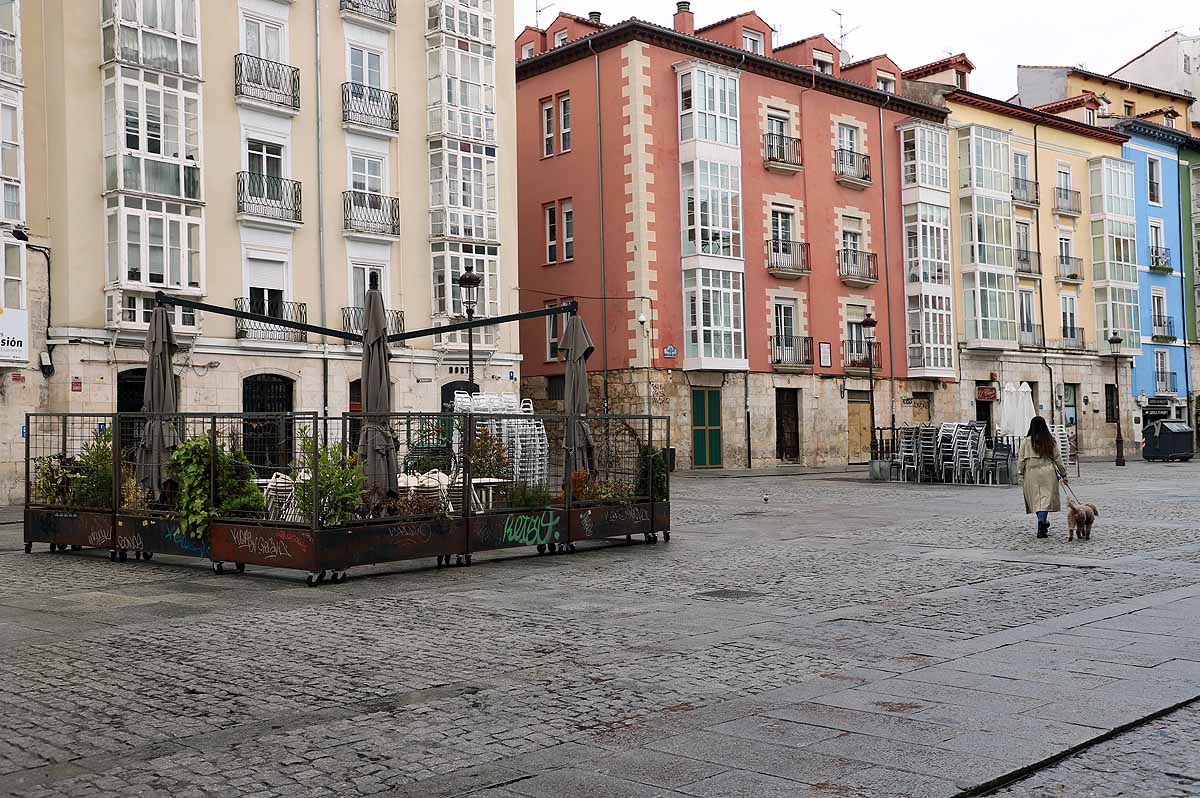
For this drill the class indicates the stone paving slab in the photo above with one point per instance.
(850, 640)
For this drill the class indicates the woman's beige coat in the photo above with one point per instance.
(1040, 477)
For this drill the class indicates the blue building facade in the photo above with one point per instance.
(1161, 382)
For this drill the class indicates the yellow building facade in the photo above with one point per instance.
(1022, 255)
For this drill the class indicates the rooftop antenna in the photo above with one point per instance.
(842, 32)
(537, 12)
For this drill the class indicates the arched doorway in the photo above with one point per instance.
(267, 441)
(131, 387)
(450, 388)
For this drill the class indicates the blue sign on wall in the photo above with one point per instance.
(670, 351)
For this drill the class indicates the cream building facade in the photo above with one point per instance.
(278, 157)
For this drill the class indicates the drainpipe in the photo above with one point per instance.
(600, 207)
(321, 213)
(1037, 220)
(1183, 300)
(887, 272)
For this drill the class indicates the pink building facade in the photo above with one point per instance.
(728, 214)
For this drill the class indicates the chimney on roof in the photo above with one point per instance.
(594, 16)
(684, 21)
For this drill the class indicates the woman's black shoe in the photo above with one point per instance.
(1043, 530)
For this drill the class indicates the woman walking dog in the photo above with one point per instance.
(1041, 468)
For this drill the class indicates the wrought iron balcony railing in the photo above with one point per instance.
(365, 212)
(1070, 269)
(791, 351)
(1160, 258)
(370, 107)
(1027, 262)
(857, 265)
(1163, 327)
(354, 320)
(1067, 201)
(1025, 192)
(267, 81)
(852, 165)
(264, 331)
(1073, 338)
(1031, 336)
(1166, 382)
(379, 10)
(787, 258)
(781, 149)
(860, 355)
(269, 197)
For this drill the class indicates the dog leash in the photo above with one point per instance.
(1068, 489)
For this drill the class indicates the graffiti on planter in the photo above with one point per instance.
(586, 524)
(629, 514)
(533, 529)
(98, 529)
(269, 548)
(130, 541)
(411, 535)
(185, 544)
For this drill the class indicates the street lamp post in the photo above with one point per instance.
(1114, 345)
(468, 289)
(868, 325)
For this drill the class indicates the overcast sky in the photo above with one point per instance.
(1099, 35)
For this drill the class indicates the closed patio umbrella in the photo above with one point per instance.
(376, 445)
(160, 398)
(1008, 408)
(576, 346)
(1025, 409)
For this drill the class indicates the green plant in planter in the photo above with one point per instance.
(614, 491)
(92, 478)
(652, 473)
(339, 488)
(51, 482)
(524, 496)
(190, 467)
(489, 457)
(237, 494)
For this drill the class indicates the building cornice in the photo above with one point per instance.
(1140, 127)
(697, 47)
(1034, 116)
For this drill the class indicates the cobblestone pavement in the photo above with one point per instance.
(798, 637)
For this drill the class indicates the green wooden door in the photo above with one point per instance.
(706, 427)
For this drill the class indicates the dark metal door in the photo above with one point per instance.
(787, 424)
(268, 441)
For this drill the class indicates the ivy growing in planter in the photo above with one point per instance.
(190, 467)
(339, 488)
(91, 479)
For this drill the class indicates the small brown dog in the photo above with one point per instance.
(1080, 518)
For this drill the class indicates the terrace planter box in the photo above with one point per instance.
(146, 534)
(62, 528)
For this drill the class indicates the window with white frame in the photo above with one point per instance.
(14, 275)
(1026, 313)
(927, 243)
(462, 88)
(1066, 245)
(560, 38)
(989, 306)
(823, 61)
(11, 162)
(1169, 121)
(930, 331)
(925, 156)
(366, 67)
(1111, 183)
(885, 81)
(547, 128)
(1068, 305)
(1154, 180)
(1162, 372)
(567, 211)
(551, 215)
(463, 197)
(1114, 251)
(1062, 176)
(152, 243)
(1157, 238)
(129, 307)
(564, 123)
(554, 328)
(984, 158)
(366, 173)
(263, 38)
(712, 209)
(1020, 165)
(162, 35)
(526, 51)
(987, 231)
(783, 220)
(264, 158)
(785, 322)
(267, 284)
(753, 41)
(708, 106)
(851, 233)
(1158, 311)
(713, 314)
(1089, 116)
(1022, 241)
(474, 19)
(362, 277)
(449, 260)
(1117, 311)
(10, 16)
(151, 134)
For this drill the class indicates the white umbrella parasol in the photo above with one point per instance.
(1008, 406)
(1025, 411)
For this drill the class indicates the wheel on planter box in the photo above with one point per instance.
(28, 548)
(666, 536)
(76, 548)
(312, 580)
(541, 548)
(239, 567)
(112, 555)
(147, 555)
(122, 554)
(218, 567)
